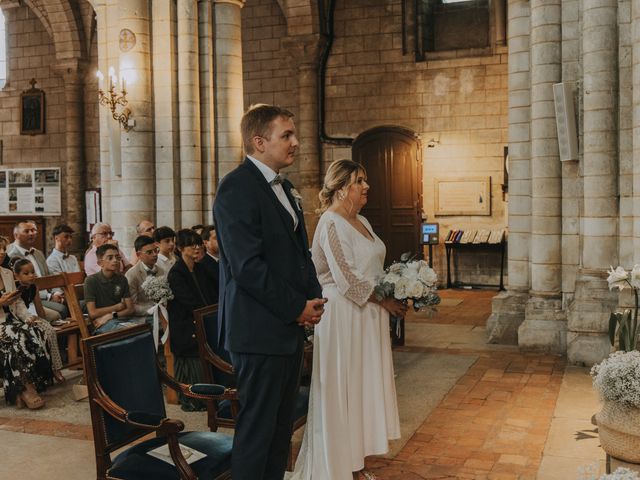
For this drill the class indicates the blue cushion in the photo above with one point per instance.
(127, 372)
(135, 464)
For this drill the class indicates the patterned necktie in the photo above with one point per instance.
(65, 256)
(277, 180)
(153, 273)
(29, 252)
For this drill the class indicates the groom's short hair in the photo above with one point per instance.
(256, 122)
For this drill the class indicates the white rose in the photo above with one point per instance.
(397, 268)
(391, 278)
(617, 278)
(402, 287)
(412, 270)
(427, 275)
(635, 276)
(415, 289)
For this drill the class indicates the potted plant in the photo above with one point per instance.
(624, 323)
(617, 381)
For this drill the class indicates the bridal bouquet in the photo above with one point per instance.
(409, 279)
(157, 289)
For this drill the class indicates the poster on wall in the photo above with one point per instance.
(25, 191)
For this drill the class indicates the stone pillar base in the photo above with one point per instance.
(544, 328)
(507, 313)
(588, 319)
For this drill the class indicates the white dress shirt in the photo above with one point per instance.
(269, 175)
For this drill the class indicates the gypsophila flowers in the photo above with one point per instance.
(621, 474)
(617, 378)
(157, 289)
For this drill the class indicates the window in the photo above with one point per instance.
(3, 51)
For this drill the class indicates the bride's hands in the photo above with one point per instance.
(394, 307)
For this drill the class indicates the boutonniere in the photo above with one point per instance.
(297, 197)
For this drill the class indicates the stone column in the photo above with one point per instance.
(635, 41)
(132, 196)
(508, 307)
(544, 327)
(229, 84)
(74, 179)
(189, 113)
(207, 105)
(587, 340)
(165, 97)
(305, 51)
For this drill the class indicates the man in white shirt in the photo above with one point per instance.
(165, 239)
(147, 252)
(146, 228)
(60, 260)
(25, 234)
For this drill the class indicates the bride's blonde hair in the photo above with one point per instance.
(339, 175)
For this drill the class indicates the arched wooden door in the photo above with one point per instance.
(393, 160)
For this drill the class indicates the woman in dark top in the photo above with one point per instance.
(193, 288)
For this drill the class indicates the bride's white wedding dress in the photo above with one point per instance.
(353, 410)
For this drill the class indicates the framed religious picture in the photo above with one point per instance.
(32, 110)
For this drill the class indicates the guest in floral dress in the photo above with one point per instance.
(25, 363)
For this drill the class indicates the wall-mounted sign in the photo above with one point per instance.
(30, 191)
(463, 196)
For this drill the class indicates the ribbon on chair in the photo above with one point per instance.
(158, 309)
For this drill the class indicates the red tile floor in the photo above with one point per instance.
(491, 425)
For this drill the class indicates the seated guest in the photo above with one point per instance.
(25, 276)
(165, 238)
(102, 234)
(210, 258)
(25, 364)
(192, 288)
(60, 260)
(107, 292)
(147, 252)
(146, 228)
(25, 234)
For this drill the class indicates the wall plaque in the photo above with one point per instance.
(126, 40)
(463, 196)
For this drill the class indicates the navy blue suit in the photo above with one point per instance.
(266, 278)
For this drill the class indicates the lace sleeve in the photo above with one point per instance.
(340, 259)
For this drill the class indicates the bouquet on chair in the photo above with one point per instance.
(157, 289)
(409, 279)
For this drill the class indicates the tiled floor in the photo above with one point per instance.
(508, 416)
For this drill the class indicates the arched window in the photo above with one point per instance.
(3, 51)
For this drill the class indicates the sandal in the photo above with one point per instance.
(33, 401)
(57, 375)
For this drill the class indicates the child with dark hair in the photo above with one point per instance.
(25, 276)
(165, 237)
(107, 292)
(193, 288)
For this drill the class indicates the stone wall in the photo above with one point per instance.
(458, 100)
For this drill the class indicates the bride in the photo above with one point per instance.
(352, 410)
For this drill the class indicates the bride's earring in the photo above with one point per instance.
(340, 195)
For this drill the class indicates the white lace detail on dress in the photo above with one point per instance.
(358, 290)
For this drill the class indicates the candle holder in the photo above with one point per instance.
(112, 99)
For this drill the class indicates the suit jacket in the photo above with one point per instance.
(266, 272)
(213, 270)
(188, 296)
(136, 276)
(18, 308)
(14, 252)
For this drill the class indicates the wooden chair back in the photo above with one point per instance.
(74, 329)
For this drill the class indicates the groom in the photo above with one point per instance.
(268, 291)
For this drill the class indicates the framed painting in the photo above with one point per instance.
(32, 111)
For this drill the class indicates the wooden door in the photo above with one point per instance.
(393, 160)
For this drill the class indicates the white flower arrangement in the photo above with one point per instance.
(407, 280)
(621, 474)
(617, 378)
(157, 289)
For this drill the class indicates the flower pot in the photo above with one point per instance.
(619, 430)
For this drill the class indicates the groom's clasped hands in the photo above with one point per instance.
(312, 312)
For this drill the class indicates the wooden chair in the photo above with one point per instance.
(76, 326)
(126, 402)
(219, 370)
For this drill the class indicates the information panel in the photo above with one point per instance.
(25, 191)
